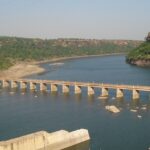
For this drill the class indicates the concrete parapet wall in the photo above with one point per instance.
(46, 141)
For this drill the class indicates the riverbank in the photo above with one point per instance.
(140, 62)
(23, 69)
(140, 56)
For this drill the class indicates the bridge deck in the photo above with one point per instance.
(85, 84)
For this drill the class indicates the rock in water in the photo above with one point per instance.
(112, 108)
(143, 108)
(139, 116)
(133, 110)
(103, 97)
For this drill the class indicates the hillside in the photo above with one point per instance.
(13, 49)
(141, 55)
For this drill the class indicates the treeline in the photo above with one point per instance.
(142, 52)
(13, 49)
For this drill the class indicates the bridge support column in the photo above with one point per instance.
(32, 86)
(13, 84)
(135, 94)
(54, 88)
(43, 87)
(23, 85)
(90, 91)
(77, 89)
(65, 88)
(4, 83)
(104, 92)
(119, 93)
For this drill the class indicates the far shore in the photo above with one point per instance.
(23, 69)
(74, 57)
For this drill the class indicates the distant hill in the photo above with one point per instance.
(141, 55)
(13, 49)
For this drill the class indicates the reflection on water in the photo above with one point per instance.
(118, 102)
(121, 103)
(91, 99)
(55, 94)
(78, 97)
(66, 95)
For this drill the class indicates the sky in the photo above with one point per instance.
(89, 19)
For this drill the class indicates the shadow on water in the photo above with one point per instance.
(81, 146)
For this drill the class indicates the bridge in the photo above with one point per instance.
(65, 86)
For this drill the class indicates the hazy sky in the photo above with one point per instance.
(100, 19)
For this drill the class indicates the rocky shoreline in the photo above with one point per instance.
(140, 62)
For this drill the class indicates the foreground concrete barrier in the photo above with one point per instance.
(46, 141)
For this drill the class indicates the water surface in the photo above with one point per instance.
(26, 112)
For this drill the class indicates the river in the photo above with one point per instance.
(25, 112)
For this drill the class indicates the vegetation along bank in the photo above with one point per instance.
(14, 49)
(140, 56)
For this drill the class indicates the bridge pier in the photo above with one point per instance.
(43, 87)
(135, 94)
(32, 85)
(104, 92)
(119, 93)
(77, 89)
(44, 84)
(4, 83)
(65, 88)
(54, 88)
(90, 91)
(13, 84)
(23, 85)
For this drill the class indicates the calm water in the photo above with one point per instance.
(26, 112)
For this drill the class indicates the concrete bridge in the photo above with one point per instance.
(53, 84)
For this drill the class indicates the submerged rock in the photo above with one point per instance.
(103, 97)
(139, 116)
(112, 108)
(133, 110)
(11, 93)
(143, 108)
